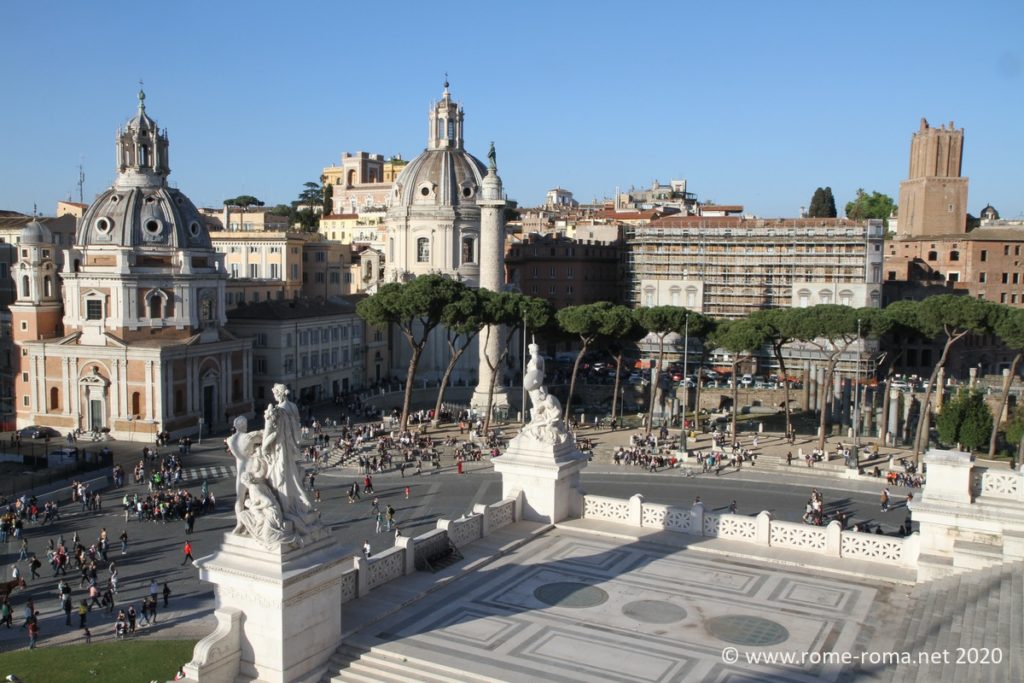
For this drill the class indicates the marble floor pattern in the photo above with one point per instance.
(575, 607)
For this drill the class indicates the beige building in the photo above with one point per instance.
(73, 209)
(365, 229)
(236, 219)
(316, 347)
(362, 181)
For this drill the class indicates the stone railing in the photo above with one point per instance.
(1006, 484)
(388, 565)
(762, 530)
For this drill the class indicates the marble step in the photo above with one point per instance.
(377, 664)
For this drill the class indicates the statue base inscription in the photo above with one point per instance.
(290, 602)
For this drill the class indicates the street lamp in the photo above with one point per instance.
(856, 404)
(686, 374)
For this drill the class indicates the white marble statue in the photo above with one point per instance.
(545, 423)
(271, 505)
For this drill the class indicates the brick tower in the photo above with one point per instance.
(933, 198)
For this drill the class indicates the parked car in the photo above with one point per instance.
(39, 432)
(747, 381)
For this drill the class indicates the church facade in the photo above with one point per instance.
(134, 341)
(446, 216)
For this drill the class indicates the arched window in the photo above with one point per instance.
(803, 298)
(24, 286)
(846, 297)
(136, 403)
(154, 307)
(423, 250)
(933, 256)
(47, 286)
(468, 250)
(351, 178)
(954, 256)
(825, 296)
(54, 398)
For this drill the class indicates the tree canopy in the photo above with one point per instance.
(823, 204)
(965, 420)
(874, 205)
(243, 201)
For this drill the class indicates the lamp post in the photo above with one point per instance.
(686, 389)
(856, 404)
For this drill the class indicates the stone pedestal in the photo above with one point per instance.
(949, 476)
(290, 605)
(548, 476)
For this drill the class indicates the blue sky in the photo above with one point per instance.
(752, 102)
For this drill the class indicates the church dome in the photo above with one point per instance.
(445, 174)
(140, 210)
(143, 216)
(989, 213)
(36, 233)
(439, 177)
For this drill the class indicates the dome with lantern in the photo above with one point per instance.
(139, 209)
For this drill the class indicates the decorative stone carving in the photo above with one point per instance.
(271, 506)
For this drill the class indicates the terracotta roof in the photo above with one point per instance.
(735, 208)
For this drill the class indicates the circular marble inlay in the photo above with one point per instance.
(570, 594)
(747, 630)
(654, 612)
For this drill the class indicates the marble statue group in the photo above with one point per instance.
(270, 504)
(546, 424)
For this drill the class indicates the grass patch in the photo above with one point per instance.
(133, 661)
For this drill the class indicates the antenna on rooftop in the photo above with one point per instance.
(81, 182)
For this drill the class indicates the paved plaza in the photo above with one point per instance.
(577, 604)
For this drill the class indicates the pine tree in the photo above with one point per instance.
(829, 204)
(817, 204)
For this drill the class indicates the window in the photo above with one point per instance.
(154, 307)
(1016, 278)
(984, 255)
(335, 277)
(94, 309)
(136, 403)
(254, 270)
(259, 365)
(1006, 278)
(468, 250)
(570, 272)
(234, 270)
(1006, 250)
(320, 277)
(295, 271)
(1013, 298)
(982, 277)
(846, 298)
(954, 256)
(423, 250)
(261, 339)
(54, 398)
(289, 364)
(933, 256)
(892, 275)
(1002, 298)
(804, 298)
(275, 271)
(825, 296)
(24, 286)
(47, 286)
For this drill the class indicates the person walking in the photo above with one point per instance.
(167, 594)
(33, 631)
(124, 541)
(83, 613)
(188, 554)
(885, 500)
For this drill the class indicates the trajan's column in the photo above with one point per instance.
(492, 276)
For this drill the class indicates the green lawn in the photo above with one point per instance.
(118, 662)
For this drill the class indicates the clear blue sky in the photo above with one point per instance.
(752, 102)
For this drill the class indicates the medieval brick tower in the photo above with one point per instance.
(933, 198)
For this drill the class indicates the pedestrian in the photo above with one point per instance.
(34, 564)
(152, 610)
(366, 549)
(188, 554)
(789, 458)
(83, 612)
(380, 520)
(190, 520)
(885, 500)
(167, 593)
(65, 602)
(732, 508)
(407, 493)
(132, 618)
(33, 631)
(124, 541)
(391, 517)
